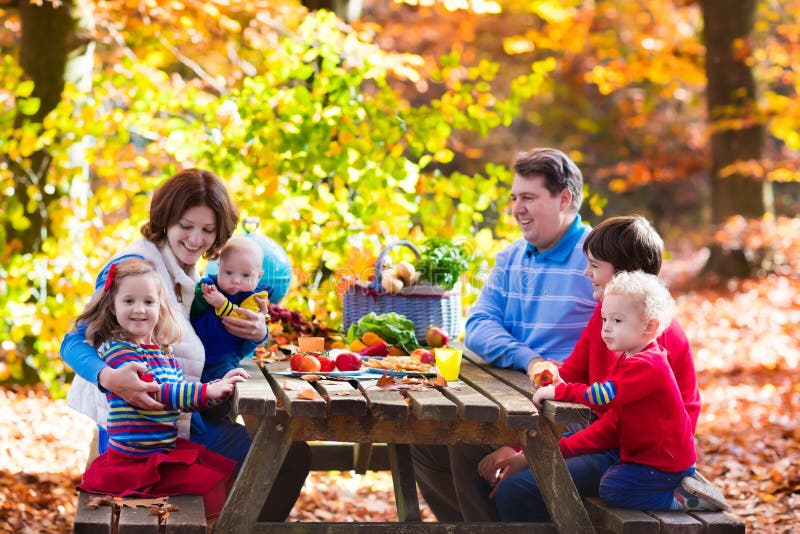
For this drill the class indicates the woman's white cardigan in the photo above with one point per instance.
(87, 398)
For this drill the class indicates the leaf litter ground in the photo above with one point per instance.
(746, 338)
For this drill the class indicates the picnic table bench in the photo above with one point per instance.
(487, 405)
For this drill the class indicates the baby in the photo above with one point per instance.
(236, 285)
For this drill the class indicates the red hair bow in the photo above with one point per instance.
(110, 277)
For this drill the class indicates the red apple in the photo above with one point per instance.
(348, 361)
(309, 364)
(294, 363)
(422, 356)
(326, 364)
(436, 337)
(544, 374)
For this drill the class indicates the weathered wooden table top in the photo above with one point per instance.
(486, 406)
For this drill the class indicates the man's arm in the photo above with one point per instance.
(486, 334)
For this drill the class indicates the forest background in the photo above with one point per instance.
(345, 130)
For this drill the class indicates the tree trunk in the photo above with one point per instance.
(56, 47)
(737, 138)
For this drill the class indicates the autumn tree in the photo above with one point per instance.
(294, 110)
(55, 48)
(736, 126)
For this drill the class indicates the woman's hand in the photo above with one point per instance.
(251, 326)
(127, 383)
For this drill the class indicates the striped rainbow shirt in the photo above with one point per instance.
(138, 432)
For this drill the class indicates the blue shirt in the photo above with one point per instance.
(534, 303)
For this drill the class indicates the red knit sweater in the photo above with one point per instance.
(647, 419)
(591, 361)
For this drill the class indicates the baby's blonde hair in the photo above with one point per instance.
(101, 322)
(242, 244)
(648, 292)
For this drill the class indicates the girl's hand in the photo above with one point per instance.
(237, 372)
(223, 388)
(251, 326)
(125, 381)
(542, 394)
(508, 466)
(488, 467)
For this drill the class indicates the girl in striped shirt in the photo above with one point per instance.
(131, 323)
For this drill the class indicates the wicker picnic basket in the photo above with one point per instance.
(423, 304)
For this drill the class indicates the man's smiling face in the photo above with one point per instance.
(542, 216)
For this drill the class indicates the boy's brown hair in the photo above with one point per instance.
(628, 243)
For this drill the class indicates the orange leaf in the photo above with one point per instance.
(307, 394)
(385, 379)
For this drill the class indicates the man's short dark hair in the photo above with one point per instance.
(628, 243)
(558, 170)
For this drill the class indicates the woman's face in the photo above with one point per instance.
(193, 234)
(599, 273)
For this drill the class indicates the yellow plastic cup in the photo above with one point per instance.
(448, 363)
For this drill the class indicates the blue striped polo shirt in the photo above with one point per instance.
(533, 304)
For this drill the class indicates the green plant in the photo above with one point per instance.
(442, 262)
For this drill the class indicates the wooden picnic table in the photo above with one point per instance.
(486, 406)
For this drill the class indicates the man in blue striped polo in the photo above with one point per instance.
(533, 307)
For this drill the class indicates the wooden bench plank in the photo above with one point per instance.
(719, 522)
(430, 405)
(286, 390)
(97, 521)
(343, 398)
(137, 521)
(254, 397)
(384, 404)
(190, 518)
(620, 520)
(677, 523)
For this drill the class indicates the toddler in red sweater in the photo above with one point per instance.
(646, 417)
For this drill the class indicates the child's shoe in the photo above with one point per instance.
(697, 493)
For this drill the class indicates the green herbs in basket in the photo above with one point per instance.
(442, 262)
(393, 328)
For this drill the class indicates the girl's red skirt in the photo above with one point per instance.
(189, 469)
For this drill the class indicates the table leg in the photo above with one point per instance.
(555, 483)
(362, 456)
(405, 484)
(254, 482)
